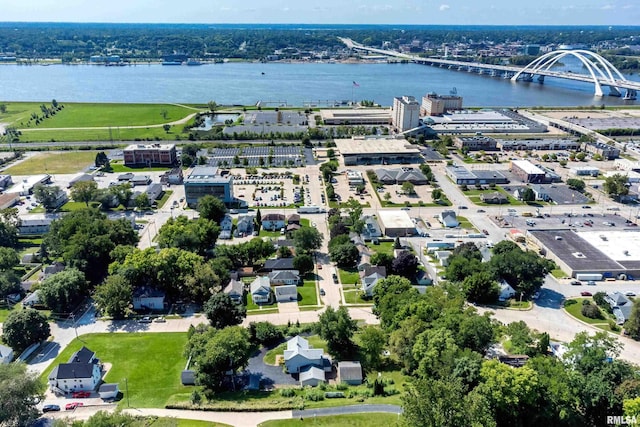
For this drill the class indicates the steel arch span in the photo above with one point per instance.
(599, 69)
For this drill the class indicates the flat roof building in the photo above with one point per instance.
(396, 223)
(380, 151)
(150, 155)
(205, 180)
(435, 105)
(475, 143)
(462, 176)
(405, 114)
(608, 152)
(360, 116)
(537, 144)
(527, 171)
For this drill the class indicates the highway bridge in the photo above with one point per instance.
(600, 71)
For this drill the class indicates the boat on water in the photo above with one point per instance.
(171, 63)
(192, 62)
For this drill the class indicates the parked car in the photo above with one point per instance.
(586, 294)
(319, 266)
(481, 211)
(71, 406)
(630, 294)
(81, 394)
(160, 319)
(576, 283)
(50, 408)
(145, 319)
(591, 283)
(485, 232)
(586, 207)
(405, 209)
(322, 293)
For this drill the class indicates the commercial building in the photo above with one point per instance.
(462, 176)
(484, 121)
(396, 223)
(150, 155)
(584, 171)
(25, 186)
(377, 151)
(527, 171)
(205, 180)
(608, 152)
(475, 143)
(435, 105)
(360, 116)
(401, 175)
(8, 200)
(355, 178)
(538, 144)
(34, 224)
(405, 114)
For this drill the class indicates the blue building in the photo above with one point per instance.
(205, 180)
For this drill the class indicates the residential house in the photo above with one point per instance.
(541, 193)
(495, 198)
(371, 230)
(443, 257)
(299, 355)
(140, 180)
(6, 354)
(286, 293)
(60, 199)
(235, 290)
(52, 269)
(312, 376)
(370, 277)
(448, 219)
(125, 177)
(621, 306)
(82, 372)
(261, 290)
(422, 278)
(284, 243)
(273, 221)
(244, 227)
(277, 264)
(293, 227)
(83, 177)
(293, 219)
(400, 176)
(506, 291)
(174, 176)
(34, 224)
(285, 277)
(145, 297)
(349, 373)
(108, 391)
(31, 299)
(226, 225)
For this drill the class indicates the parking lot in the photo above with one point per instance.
(273, 190)
(585, 219)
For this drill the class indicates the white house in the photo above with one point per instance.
(273, 221)
(261, 290)
(299, 355)
(83, 372)
(448, 219)
(312, 376)
(284, 277)
(506, 291)
(443, 257)
(235, 290)
(6, 354)
(370, 278)
(286, 293)
(145, 297)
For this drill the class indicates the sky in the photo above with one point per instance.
(426, 12)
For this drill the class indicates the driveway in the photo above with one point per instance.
(270, 375)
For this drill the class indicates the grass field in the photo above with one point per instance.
(307, 294)
(165, 196)
(96, 115)
(53, 163)
(114, 136)
(575, 311)
(348, 276)
(151, 363)
(382, 248)
(121, 168)
(558, 274)
(355, 297)
(353, 420)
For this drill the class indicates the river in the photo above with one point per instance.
(282, 83)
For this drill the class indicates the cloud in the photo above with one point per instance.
(608, 7)
(444, 7)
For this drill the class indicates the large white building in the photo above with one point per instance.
(405, 114)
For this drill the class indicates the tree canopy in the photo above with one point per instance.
(23, 328)
(20, 392)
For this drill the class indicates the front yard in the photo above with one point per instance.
(349, 276)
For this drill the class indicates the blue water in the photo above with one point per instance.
(293, 84)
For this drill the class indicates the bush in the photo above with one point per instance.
(196, 398)
(613, 326)
(342, 386)
(287, 392)
(390, 391)
(314, 395)
(591, 311)
(569, 302)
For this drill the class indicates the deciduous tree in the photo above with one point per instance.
(222, 311)
(84, 191)
(307, 239)
(62, 291)
(113, 297)
(23, 328)
(20, 392)
(337, 328)
(212, 208)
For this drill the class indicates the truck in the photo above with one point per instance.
(588, 276)
(310, 209)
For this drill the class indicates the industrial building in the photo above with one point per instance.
(527, 171)
(538, 144)
(377, 151)
(584, 171)
(396, 223)
(475, 143)
(150, 155)
(592, 252)
(462, 176)
(435, 105)
(205, 180)
(360, 116)
(484, 121)
(26, 185)
(405, 114)
(608, 152)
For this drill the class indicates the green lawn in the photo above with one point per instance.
(465, 223)
(165, 196)
(355, 297)
(151, 363)
(253, 306)
(352, 420)
(54, 163)
(75, 115)
(4, 312)
(307, 294)
(383, 247)
(120, 168)
(558, 274)
(575, 311)
(77, 206)
(349, 276)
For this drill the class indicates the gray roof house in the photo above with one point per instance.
(286, 293)
(312, 376)
(226, 225)
(448, 219)
(369, 281)
(235, 290)
(261, 290)
(82, 373)
(299, 355)
(83, 177)
(148, 297)
(349, 372)
(284, 277)
(278, 264)
(621, 306)
(401, 175)
(245, 225)
(6, 354)
(506, 291)
(371, 228)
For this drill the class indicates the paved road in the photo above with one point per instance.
(343, 410)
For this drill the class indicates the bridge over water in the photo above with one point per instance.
(600, 72)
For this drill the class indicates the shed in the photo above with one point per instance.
(286, 293)
(6, 354)
(188, 377)
(349, 373)
(311, 376)
(108, 391)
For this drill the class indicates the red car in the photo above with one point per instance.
(586, 294)
(81, 394)
(71, 406)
